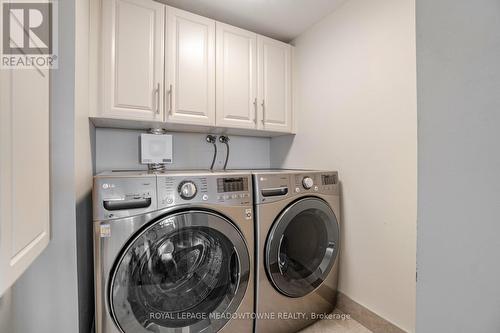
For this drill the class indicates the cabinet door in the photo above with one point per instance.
(133, 51)
(190, 73)
(236, 92)
(275, 88)
(24, 170)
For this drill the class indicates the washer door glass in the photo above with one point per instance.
(185, 272)
(302, 247)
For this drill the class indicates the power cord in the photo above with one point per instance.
(212, 139)
(225, 140)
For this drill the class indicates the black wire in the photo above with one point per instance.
(227, 154)
(215, 155)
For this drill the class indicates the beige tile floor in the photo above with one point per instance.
(336, 326)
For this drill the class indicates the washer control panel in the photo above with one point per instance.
(307, 182)
(187, 190)
(217, 188)
(116, 196)
(119, 194)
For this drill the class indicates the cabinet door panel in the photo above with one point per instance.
(30, 142)
(191, 68)
(24, 170)
(133, 51)
(275, 84)
(236, 77)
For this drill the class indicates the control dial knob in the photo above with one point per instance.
(307, 182)
(187, 190)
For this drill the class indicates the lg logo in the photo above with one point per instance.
(27, 28)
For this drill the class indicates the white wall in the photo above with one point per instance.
(118, 149)
(356, 104)
(458, 58)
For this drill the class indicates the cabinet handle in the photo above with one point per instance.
(255, 110)
(263, 112)
(170, 92)
(157, 98)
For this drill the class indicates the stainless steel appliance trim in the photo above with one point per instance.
(274, 192)
(277, 230)
(120, 204)
(219, 223)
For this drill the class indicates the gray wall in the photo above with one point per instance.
(84, 167)
(6, 308)
(458, 61)
(45, 297)
(84, 226)
(118, 149)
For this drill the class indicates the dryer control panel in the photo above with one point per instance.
(316, 182)
(276, 185)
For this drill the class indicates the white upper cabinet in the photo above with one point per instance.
(275, 84)
(24, 170)
(162, 64)
(133, 59)
(190, 70)
(236, 68)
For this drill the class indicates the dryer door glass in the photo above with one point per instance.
(302, 247)
(184, 272)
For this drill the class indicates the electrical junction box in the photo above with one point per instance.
(156, 148)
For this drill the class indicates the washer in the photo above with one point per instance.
(173, 252)
(297, 227)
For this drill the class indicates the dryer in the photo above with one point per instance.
(298, 237)
(173, 252)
